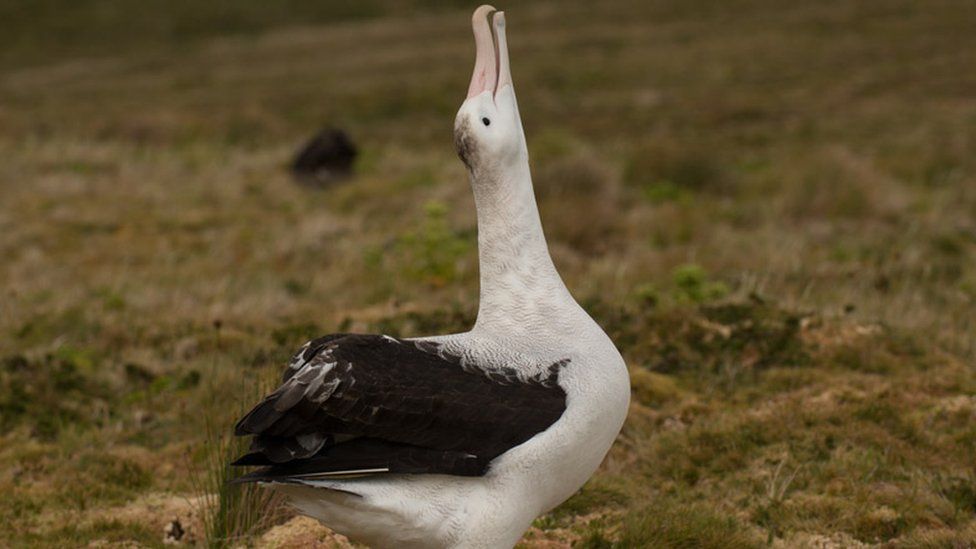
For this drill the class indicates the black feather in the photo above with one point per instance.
(407, 407)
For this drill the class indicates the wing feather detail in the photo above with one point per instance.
(381, 403)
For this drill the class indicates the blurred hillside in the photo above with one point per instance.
(771, 208)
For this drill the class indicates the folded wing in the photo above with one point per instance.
(368, 404)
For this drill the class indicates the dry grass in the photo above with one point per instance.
(769, 207)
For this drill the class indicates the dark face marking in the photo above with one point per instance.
(465, 144)
(486, 122)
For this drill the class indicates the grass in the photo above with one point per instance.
(232, 513)
(769, 207)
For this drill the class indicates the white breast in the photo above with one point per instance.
(494, 510)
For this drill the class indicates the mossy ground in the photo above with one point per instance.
(771, 208)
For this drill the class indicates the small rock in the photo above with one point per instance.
(325, 158)
(173, 533)
(141, 417)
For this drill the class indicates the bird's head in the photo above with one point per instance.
(488, 131)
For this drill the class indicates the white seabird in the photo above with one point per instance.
(459, 440)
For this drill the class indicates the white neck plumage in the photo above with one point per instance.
(519, 283)
(521, 292)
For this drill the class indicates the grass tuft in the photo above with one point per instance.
(232, 513)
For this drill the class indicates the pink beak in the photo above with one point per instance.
(491, 68)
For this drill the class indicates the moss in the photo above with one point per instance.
(652, 388)
(105, 478)
(597, 495)
(417, 323)
(720, 345)
(692, 283)
(431, 253)
(59, 389)
(671, 524)
(108, 531)
(770, 333)
(878, 524)
(940, 538)
(595, 538)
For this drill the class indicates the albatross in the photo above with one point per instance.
(457, 440)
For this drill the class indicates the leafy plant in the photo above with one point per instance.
(692, 284)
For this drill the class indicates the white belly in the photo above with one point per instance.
(490, 511)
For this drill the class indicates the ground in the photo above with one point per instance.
(770, 207)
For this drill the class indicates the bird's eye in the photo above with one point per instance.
(486, 121)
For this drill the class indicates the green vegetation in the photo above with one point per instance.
(431, 253)
(768, 206)
(231, 513)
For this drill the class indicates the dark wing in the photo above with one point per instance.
(360, 404)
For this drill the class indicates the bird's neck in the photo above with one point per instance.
(519, 283)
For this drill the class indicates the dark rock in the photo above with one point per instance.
(173, 532)
(138, 374)
(324, 159)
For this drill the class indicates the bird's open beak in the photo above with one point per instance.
(491, 68)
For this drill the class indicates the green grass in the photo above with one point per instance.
(232, 513)
(768, 206)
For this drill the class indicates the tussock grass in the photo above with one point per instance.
(232, 513)
(664, 525)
